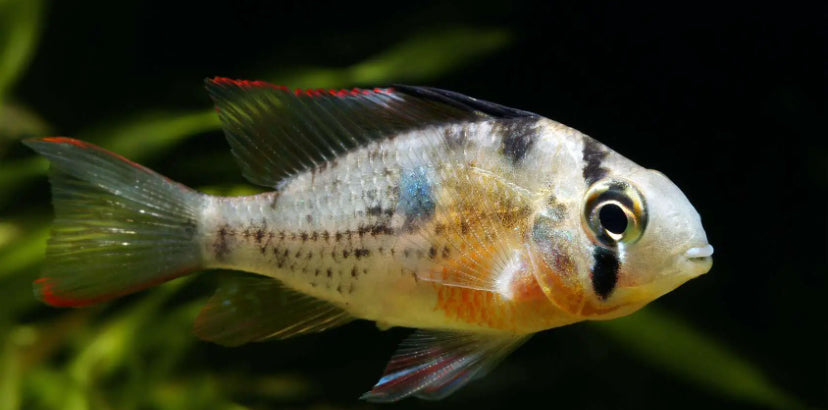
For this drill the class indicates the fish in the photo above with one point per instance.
(474, 223)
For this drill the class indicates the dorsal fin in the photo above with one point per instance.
(276, 132)
(249, 308)
(463, 102)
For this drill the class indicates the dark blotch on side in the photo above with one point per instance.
(604, 271)
(517, 137)
(220, 246)
(593, 154)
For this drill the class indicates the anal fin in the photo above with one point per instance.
(434, 364)
(249, 308)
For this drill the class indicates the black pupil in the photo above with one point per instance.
(613, 218)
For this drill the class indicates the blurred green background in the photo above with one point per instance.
(725, 100)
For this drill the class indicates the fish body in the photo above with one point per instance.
(416, 207)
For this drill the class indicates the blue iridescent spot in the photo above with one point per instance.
(416, 196)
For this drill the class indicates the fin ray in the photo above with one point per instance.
(248, 308)
(275, 132)
(434, 364)
(119, 227)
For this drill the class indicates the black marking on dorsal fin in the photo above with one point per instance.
(604, 271)
(517, 137)
(276, 132)
(464, 102)
(593, 155)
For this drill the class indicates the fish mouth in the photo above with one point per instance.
(699, 253)
(700, 259)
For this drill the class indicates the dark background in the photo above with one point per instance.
(727, 100)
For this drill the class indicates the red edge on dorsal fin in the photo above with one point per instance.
(309, 92)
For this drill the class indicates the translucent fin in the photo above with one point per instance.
(482, 219)
(251, 308)
(434, 364)
(119, 227)
(275, 132)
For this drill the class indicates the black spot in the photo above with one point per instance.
(338, 236)
(464, 227)
(314, 236)
(359, 253)
(593, 154)
(604, 271)
(432, 252)
(517, 137)
(329, 272)
(345, 253)
(353, 272)
(260, 233)
(220, 246)
(374, 211)
(446, 252)
(304, 236)
(380, 229)
(309, 218)
(326, 235)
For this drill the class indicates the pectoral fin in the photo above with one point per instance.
(434, 364)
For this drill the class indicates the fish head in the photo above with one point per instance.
(625, 239)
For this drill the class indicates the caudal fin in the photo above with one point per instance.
(119, 227)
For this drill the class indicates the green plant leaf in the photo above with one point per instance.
(20, 24)
(674, 346)
(422, 57)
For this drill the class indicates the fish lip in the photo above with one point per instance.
(699, 253)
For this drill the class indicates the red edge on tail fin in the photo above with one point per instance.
(45, 291)
(86, 145)
(319, 92)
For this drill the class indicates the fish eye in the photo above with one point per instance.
(613, 218)
(614, 212)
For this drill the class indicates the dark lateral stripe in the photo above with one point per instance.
(604, 271)
(518, 136)
(593, 154)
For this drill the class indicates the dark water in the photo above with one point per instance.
(728, 101)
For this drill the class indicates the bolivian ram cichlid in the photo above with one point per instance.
(410, 206)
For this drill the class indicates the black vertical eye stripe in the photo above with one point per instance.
(604, 271)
